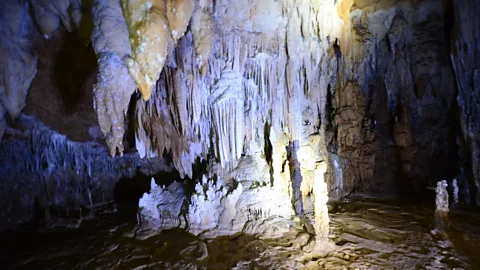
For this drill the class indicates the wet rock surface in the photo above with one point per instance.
(369, 234)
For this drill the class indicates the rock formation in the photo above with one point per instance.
(441, 205)
(43, 170)
(115, 86)
(18, 60)
(214, 210)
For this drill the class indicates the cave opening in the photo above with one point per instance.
(74, 64)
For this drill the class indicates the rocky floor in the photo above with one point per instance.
(368, 233)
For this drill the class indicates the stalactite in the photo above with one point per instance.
(149, 37)
(115, 86)
(17, 56)
(179, 13)
(202, 29)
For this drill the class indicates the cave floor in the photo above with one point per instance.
(369, 234)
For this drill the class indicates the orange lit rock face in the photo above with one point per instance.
(149, 36)
(152, 26)
(179, 13)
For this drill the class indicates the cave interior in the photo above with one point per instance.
(248, 134)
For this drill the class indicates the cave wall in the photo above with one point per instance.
(465, 56)
(394, 98)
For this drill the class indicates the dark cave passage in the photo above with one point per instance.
(75, 64)
(130, 190)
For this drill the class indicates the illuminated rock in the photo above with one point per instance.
(149, 37)
(179, 13)
(162, 208)
(215, 211)
(441, 199)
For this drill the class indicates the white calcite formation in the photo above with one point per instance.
(214, 210)
(441, 199)
(162, 208)
(248, 85)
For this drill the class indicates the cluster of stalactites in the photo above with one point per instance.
(145, 35)
(252, 86)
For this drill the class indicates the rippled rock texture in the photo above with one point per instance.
(43, 172)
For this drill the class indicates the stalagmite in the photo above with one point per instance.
(115, 86)
(442, 204)
(149, 37)
(320, 192)
(215, 211)
(162, 208)
(455, 191)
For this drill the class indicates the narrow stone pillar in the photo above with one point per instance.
(321, 219)
(441, 201)
(455, 191)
